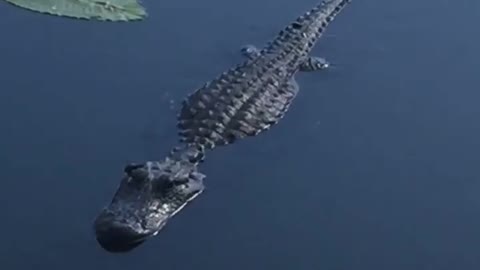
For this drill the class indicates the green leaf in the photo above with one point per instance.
(103, 10)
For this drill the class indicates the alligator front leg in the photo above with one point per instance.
(314, 64)
(311, 64)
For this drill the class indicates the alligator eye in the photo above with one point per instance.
(130, 167)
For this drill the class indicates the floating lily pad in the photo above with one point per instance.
(112, 10)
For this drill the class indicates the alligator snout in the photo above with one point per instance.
(116, 237)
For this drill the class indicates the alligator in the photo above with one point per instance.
(243, 101)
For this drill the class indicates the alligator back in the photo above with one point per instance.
(253, 96)
(234, 106)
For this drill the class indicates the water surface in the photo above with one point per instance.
(374, 167)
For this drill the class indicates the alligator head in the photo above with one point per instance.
(148, 195)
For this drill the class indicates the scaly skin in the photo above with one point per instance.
(243, 101)
(251, 97)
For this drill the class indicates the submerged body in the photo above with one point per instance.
(241, 102)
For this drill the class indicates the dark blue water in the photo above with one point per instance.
(375, 166)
